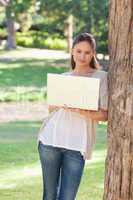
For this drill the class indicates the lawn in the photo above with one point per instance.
(26, 79)
(20, 172)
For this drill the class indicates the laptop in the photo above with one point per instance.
(73, 91)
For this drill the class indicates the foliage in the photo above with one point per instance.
(89, 15)
(51, 17)
(21, 11)
(40, 39)
(3, 33)
(2, 16)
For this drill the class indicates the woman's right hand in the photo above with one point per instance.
(51, 108)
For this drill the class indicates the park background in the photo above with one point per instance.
(35, 38)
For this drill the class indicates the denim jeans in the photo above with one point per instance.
(62, 171)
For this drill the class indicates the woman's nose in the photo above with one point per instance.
(82, 56)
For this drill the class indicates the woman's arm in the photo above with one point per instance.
(100, 115)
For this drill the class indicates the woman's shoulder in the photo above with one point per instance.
(101, 73)
(97, 73)
(66, 73)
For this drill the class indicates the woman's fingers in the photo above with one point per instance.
(77, 110)
(65, 106)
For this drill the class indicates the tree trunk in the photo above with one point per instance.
(11, 39)
(69, 32)
(90, 22)
(119, 161)
(4, 2)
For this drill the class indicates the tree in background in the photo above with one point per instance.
(11, 42)
(119, 161)
(88, 15)
(11, 38)
(4, 2)
(40, 19)
(94, 15)
(17, 11)
(69, 32)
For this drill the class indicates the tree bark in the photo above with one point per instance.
(69, 32)
(11, 38)
(119, 162)
(4, 2)
(91, 23)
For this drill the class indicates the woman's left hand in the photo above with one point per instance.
(83, 112)
(100, 115)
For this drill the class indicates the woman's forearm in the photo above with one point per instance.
(100, 115)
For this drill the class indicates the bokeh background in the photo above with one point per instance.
(35, 39)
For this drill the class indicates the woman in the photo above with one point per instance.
(68, 137)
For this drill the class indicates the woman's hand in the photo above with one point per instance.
(100, 115)
(82, 112)
(51, 108)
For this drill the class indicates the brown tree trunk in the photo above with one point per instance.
(4, 2)
(11, 38)
(119, 161)
(69, 32)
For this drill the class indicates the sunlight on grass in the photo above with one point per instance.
(29, 53)
(18, 175)
(26, 79)
(97, 156)
(20, 170)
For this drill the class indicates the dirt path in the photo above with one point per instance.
(23, 111)
(31, 53)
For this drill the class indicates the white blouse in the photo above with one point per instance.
(71, 130)
(65, 129)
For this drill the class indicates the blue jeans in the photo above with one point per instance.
(62, 171)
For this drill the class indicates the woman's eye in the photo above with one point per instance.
(87, 52)
(78, 51)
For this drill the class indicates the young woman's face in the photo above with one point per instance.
(82, 54)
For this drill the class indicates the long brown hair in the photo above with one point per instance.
(90, 39)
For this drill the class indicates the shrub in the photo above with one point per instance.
(3, 33)
(40, 40)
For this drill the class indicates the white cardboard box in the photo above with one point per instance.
(73, 91)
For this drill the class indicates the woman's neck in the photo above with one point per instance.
(85, 70)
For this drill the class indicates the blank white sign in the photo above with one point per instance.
(73, 91)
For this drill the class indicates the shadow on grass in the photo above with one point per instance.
(27, 188)
(29, 72)
(18, 143)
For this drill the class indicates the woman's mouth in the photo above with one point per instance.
(82, 61)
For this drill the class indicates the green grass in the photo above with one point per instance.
(26, 79)
(20, 172)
